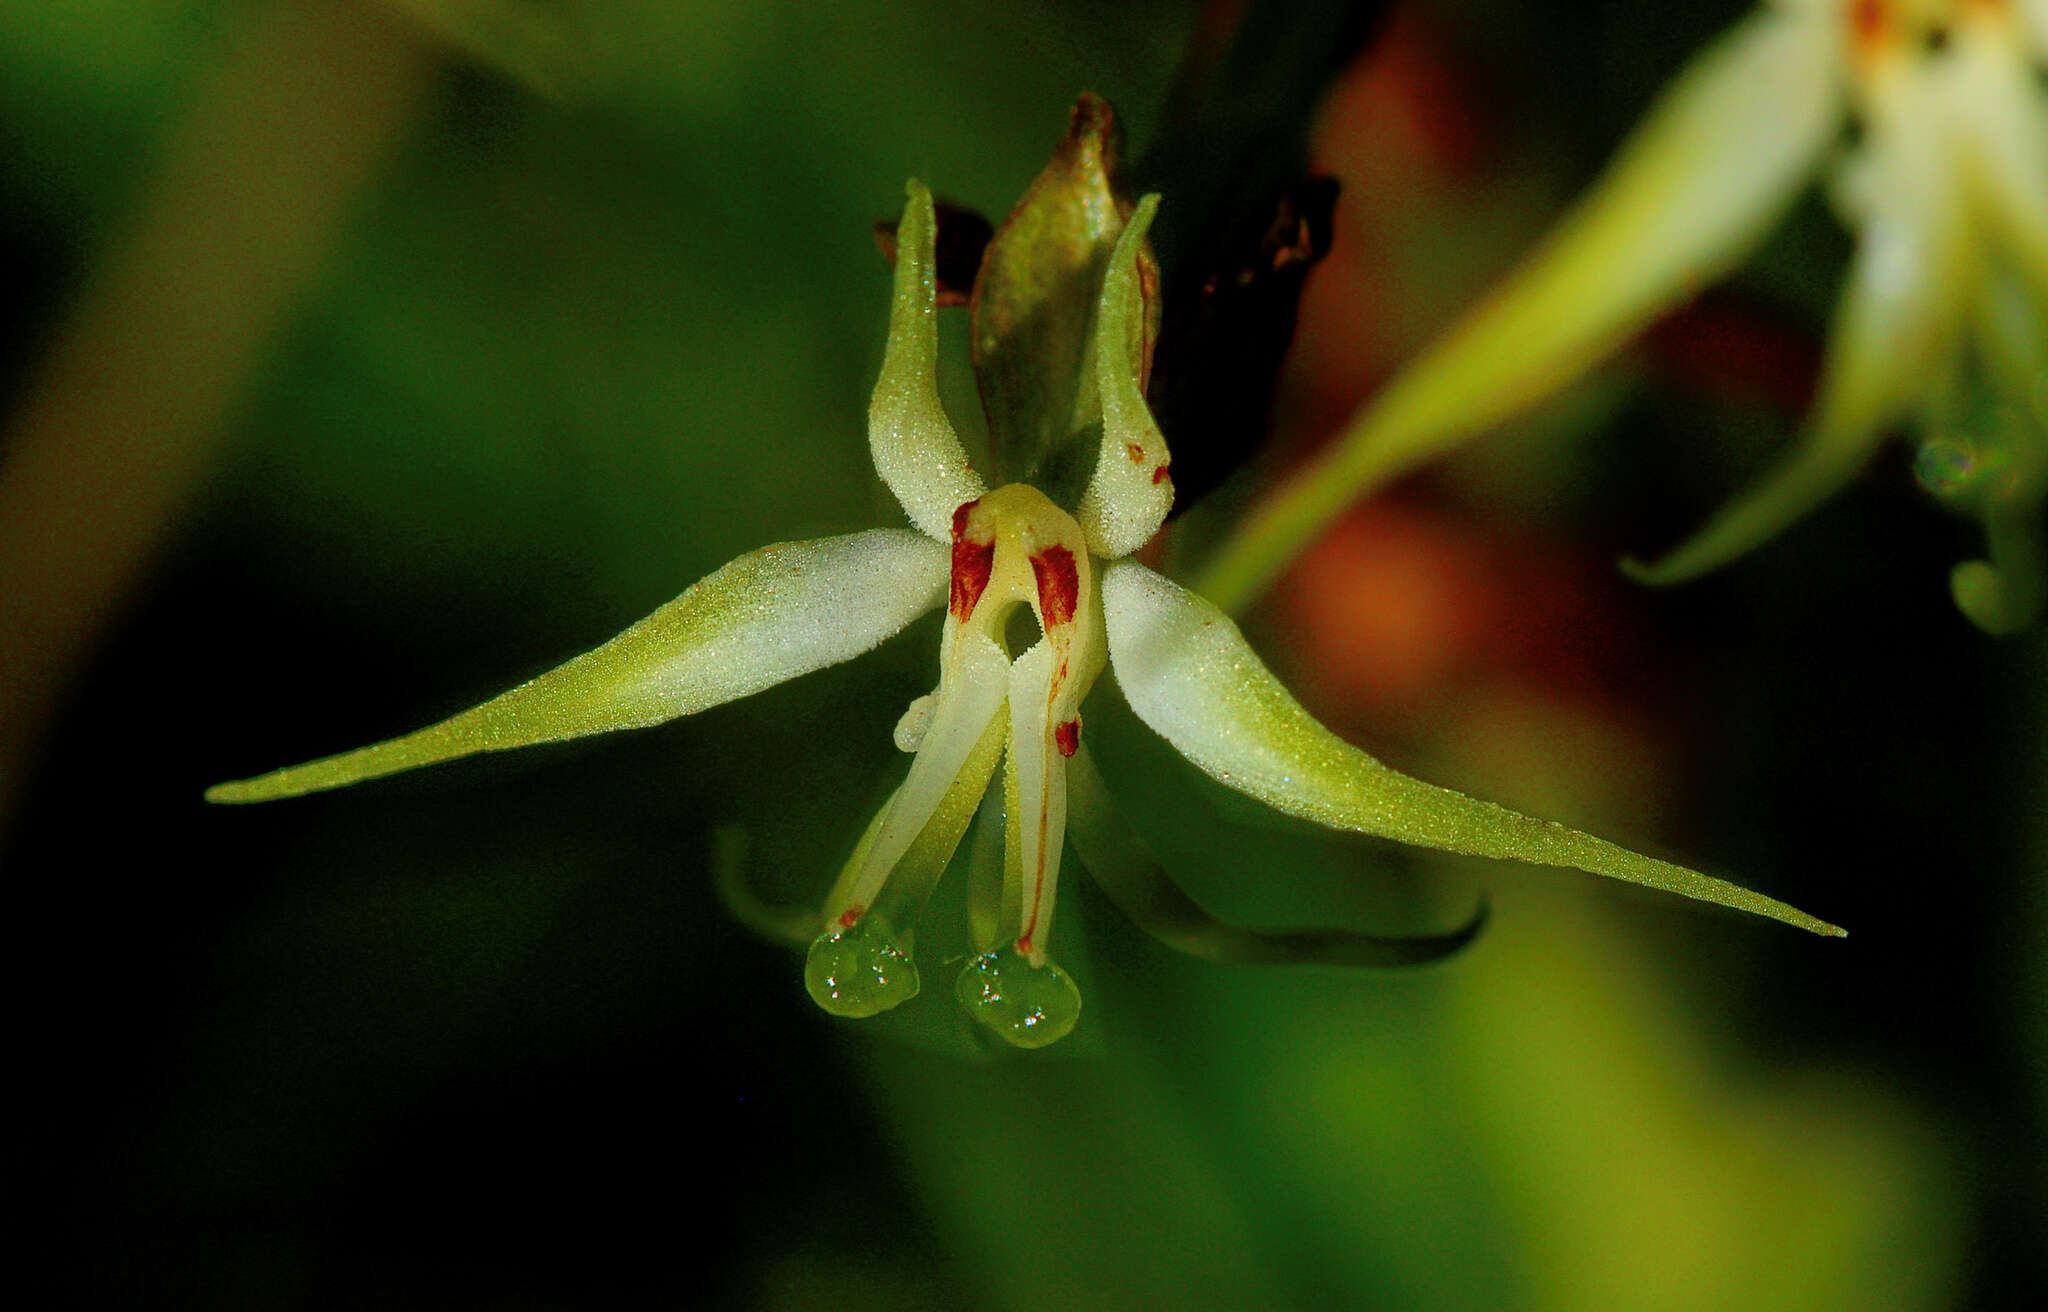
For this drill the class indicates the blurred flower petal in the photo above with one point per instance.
(2034, 13)
(1696, 187)
(2004, 109)
(1896, 325)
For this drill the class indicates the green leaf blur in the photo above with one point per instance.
(490, 1037)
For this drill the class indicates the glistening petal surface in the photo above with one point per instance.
(1189, 674)
(1041, 785)
(973, 684)
(1129, 493)
(915, 449)
(924, 858)
(768, 616)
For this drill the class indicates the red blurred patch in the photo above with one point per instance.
(1406, 136)
(1731, 349)
(1400, 608)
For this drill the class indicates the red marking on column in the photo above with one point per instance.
(1024, 946)
(1869, 21)
(972, 562)
(1059, 585)
(1068, 737)
(848, 917)
(1135, 452)
(1159, 476)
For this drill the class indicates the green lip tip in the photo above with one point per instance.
(1026, 1006)
(860, 971)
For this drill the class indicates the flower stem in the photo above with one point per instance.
(1292, 515)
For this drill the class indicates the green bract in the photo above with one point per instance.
(983, 552)
(1943, 319)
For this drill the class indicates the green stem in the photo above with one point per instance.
(1292, 515)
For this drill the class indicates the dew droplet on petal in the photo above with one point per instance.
(1025, 1005)
(861, 970)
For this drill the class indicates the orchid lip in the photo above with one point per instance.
(1011, 547)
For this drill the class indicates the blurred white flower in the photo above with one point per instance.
(1943, 318)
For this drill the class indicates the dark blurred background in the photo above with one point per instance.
(366, 359)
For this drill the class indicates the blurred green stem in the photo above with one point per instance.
(253, 182)
(1291, 516)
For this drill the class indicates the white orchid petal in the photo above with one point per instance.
(861, 964)
(1189, 674)
(1896, 325)
(768, 616)
(1041, 782)
(915, 449)
(972, 686)
(1128, 495)
(910, 880)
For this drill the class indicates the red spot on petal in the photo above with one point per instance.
(848, 917)
(1059, 586)
(1159, 476)
(1135, 452)
(972, 562)
(1068, 737)
(1869, 21)
(971, 567)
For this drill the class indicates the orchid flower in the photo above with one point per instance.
(1943, 318)
(983, 552)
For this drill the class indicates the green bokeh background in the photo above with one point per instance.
(487, 1037)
